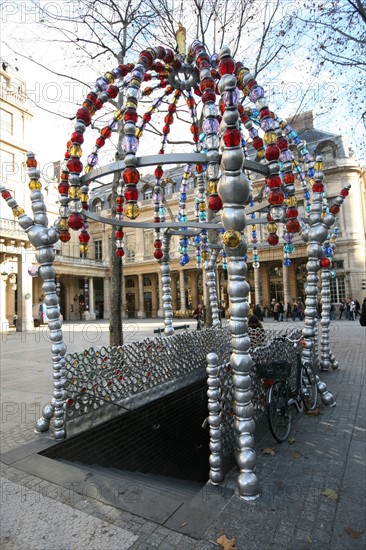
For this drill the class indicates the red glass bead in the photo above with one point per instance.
(272, 239)
(199, 168)
(162, 83)
(100, 142)
(240, 109)
(195, 129)
(130, 66)
(226, 66)
(202, 57)
(172, 109)
(84, 237)
(207, 84)
(292, 213)
(197, 91)
(190, 102)
(166, 130)
(146, 117)
(334, 209)
(325, 262)
(106, 132)
(130, 115)
(215, 203)
(208, 95)
(232, 137)
(112, 91)
(31, 163)
(119, 234)
(67, 155)
(6, 195)
(131, 193)
(74, 165)
(251, 84)
(293, 226)
(120, 200)
(148, 91)
(98, 104)
(318, 187)
(63, 188)
(274, 182)
(177, 64)
(168, 119)
(148, 57)
(276, 197)
(258, 142)
(344, 192)
(92, 96)
(158, 243)
(64, 236)
(64, 176)
(272, 152)
(76, 137)
(158, 253)
(169, 56)
(289, 177)
(131, 175)
(88, 105)
(76, 221)
(123, 69)
(119, 208)
(85, 205)
(156, 220)
(84, 115)
(244, 117)
(269, 217)
(265, 113)
(282, 143)
(120, 252)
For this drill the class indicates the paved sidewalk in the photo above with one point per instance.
(296, 509)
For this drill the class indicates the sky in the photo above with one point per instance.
(51, 95)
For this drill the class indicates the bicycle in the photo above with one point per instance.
(282, 397)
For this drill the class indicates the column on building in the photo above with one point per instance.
(194, 290)
(257, 285)
(286, 285)
(174, 291)
(161, 309)
(25, 292)
(266, 299)
(292, 281)
(182, 290)
(89, 313)
(141, 311)
(107, 297)
(154, 295)
(123, 296)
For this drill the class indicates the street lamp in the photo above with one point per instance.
(6, 272)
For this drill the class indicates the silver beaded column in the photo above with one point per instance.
(212, 287)
(216, 473)
(43, 240)
(325, 321)
(234, 190)
(166, 280)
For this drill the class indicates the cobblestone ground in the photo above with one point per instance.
(327, 452)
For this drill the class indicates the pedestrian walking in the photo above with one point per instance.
(363, 314)
(198, 314)
(342, 307)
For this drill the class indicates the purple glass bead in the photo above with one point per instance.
(306, 158)
(285, 156)
(129, 144)
(230, 98)
(117, 72)
(253, 132)
(92, 159)
(268, 124)
(210, 126)
(287, 237)
(102, 83)
(157, 197)
(214, 60)
(287, 129)
(256, 93)
(112, 124)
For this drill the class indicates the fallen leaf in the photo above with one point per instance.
(269, 451)
(314, 412)
(330, 493)
(291, 440)
(298, 454)
(352, 533)
(183, 525)
(227, 544)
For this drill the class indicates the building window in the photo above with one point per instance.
(168, 189)
(7, 164)
(130, 283)
(98, 249)
(337, 290)
(97, 205)
(148, 244)
(130, 246)
(147, 194)
(147, 281)
(6, 122)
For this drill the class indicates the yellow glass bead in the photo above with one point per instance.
(63, 224)
(231, 238)
(291, 201)
(261, 153)
(270, 137)
(88, 169)
(138, 133)
(283, 124)
(242, 72)
(17, 211)
(212, 187)
(205, 255)
(202, 207)
(118, 115)
(272, 227)
(135, 82)
(73, 192)
(84, 197)
(319, 166)
(34, 184)
(84, 248)
(75, 151)
(131, 102)
(168, 68)
(294, 163)
(132, 211)
(252, 227)
(110, 77)
(311, 181)
(185, 176)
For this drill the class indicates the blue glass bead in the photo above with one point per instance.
(289, 248)
(197, 239)
(307, 208)
(92, 159)
(306, 195)
(117, 72)
(333, 274)
(224, 266)
(292, 135)
(297, 140)
(183, 197)
(245, 258)
(102, 83)
(311, 172)
(287, 262)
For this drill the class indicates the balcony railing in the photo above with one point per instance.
(11, 228)
(87, 262)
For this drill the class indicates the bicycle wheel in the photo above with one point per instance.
(309, 390)
(279, 411)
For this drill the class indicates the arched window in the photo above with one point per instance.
(130, 283)
(147, 281)
(97, 205)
